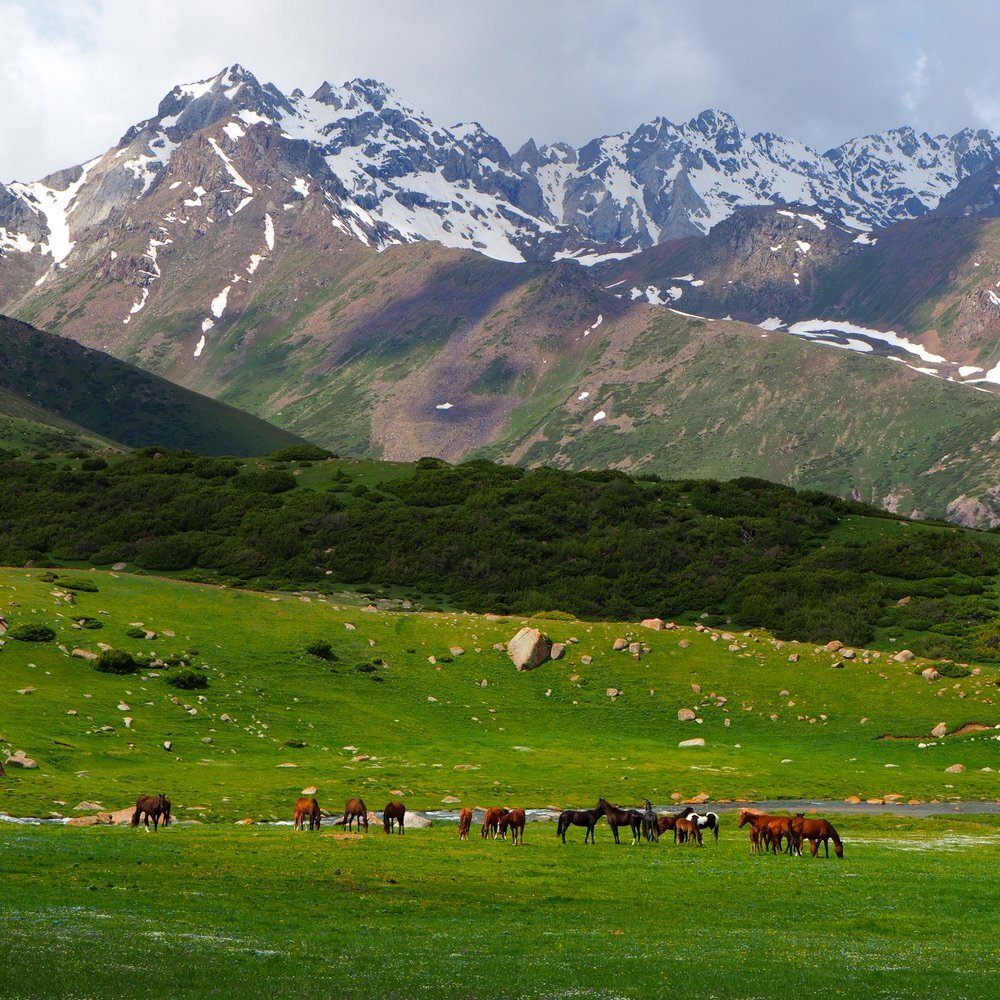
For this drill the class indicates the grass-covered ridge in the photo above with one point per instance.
(498, 539)
(422, 706)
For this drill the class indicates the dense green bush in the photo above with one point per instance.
(32, 632)
(93, 464)
(116, 661)
(134, 632)
(321, 649)
(90, 623)
(187, 680)
(594, 545)
(77, 583)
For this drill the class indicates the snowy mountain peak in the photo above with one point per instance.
(402, 177)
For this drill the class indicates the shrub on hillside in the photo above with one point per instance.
(91, 623)
(188, 680)
(116, 661)
(134, 632)
(555, 616)
(322, 649)
(78, 583)
(300, 453)
(32, 632)
(93, 464)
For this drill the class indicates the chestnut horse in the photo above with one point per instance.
(816, 830)
(664, 823)
(579, 817)
(464, 822)
(306, 809)
(393, 813)
(150, 807)
(687, 830)
(768, 831)
(616, 817)
(355, 809)
(514, 820)
(491, 821)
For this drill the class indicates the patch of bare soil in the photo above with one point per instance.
(966, 727)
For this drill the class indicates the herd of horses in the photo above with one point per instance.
(784, 834)
(686, 826)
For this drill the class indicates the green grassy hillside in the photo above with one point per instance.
(103, 397)
(378, 717)
(491, 538)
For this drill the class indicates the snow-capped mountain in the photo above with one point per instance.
(389, 174)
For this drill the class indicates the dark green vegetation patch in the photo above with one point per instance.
(594, 545)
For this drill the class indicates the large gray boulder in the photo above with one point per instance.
(529, 648)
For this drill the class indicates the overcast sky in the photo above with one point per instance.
(75, 74)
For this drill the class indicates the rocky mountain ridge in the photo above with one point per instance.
(390, 174)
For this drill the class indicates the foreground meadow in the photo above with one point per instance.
(201, 911)
(423, 708)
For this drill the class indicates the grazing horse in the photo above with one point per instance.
(150, 807)
(616, 817)
(579, 817)
(306, 810)
(393, 813)
(515, 821)
(464, 822)
(687, 831)
(709, 821)
(355, 809)
(650, 828)
(491, 821)
(664, 823)
(768, 831)
(816, 830)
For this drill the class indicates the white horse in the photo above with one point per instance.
(709, 821)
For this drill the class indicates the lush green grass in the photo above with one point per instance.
(432, 731)
(224, 911)
(212, 909)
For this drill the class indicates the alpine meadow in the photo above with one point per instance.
(430, 568)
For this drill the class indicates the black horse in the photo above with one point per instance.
(579, 817)
(632, 818)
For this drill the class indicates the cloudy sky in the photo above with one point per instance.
(75, 74)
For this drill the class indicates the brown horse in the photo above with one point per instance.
(393, 813)
(355, 809)
(464, 822)
(664, 823)
(687, 831)
(616, 817)
(149, 807)
(515, 821)
(306, 810)
(491, 821)
(165, 815)
(815, 831)
(767, 832)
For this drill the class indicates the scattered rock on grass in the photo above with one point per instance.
(529, 649)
